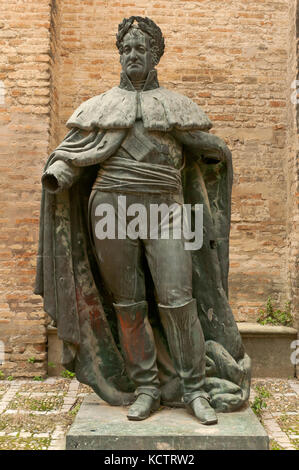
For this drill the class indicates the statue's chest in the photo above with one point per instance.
(152, 146)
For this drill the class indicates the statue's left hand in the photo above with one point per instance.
(220, 145)
(225, 151)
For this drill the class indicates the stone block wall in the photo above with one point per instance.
(236, 59)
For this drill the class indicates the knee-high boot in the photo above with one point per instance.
(138, 346)
(187, 349)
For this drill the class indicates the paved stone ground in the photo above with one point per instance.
(36, 415)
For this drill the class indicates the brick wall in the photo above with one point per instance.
(231, 58)
(55, 60)
(235, 58)
(24, 136)
(293, 162)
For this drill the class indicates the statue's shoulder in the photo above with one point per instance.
(115, 108)
(176, 111)
(162, 109)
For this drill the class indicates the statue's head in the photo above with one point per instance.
(141, 45)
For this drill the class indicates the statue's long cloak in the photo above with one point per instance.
(68, 277)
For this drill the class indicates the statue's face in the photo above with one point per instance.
(136, 59)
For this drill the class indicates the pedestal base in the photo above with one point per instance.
(99, 426)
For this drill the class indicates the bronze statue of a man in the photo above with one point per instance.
(144, 314)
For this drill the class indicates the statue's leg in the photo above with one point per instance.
(187, 349)
(137, 343)
(119, 262)
(171, 269)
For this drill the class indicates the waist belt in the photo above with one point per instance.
(120, 174)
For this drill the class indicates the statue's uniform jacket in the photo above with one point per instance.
(103, 129)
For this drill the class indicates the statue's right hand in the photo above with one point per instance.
(59, 176)
(50, 183)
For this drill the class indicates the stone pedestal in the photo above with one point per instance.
(267, 346)
(99, 426)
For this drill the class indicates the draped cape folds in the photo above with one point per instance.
(67, 274)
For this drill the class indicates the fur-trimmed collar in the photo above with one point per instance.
(161, 109)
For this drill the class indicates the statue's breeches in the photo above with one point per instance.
(120, 260)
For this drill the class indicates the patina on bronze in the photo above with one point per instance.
(142, 321)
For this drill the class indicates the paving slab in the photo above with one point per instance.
(99, 426)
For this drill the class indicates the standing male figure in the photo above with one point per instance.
(131, 140)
